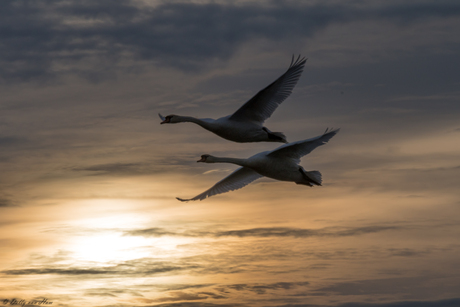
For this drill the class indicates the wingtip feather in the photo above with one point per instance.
(329, 130)
(297, 62)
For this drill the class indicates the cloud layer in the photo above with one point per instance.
(95, 40)
(88, 176)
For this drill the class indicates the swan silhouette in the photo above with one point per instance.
(246, 124)
(280, 164)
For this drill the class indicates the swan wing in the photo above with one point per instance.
(297, 150)
(236, 180)
(264, 103)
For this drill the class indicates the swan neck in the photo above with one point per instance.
(190, 119)
(241, 162)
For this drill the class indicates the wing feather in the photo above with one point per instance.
(264, 103)
(236, 180)
(297, 150)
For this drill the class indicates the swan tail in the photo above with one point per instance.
(310, 178)
(315, 177)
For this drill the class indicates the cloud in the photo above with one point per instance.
(262, 288)
(416, 288)
(10, 147)
(122, 169)
(408, 252)
(110, 292)
(304, 233)
(150, 232)
(266, 232)
(135, 168)
(196, 304)
(67, 271)
(10, 140)
(185, 296)
(137, 267)
(216, 170)
(4, 202)
(440, 303)
(454, 302)
(94, 39)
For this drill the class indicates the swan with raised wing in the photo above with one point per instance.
(280, 164)
(247, 123)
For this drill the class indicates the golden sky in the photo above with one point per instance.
(89, 177)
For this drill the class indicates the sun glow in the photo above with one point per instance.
(109, 247)
(111, 240)
(115, 247)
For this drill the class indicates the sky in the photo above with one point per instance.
(89, 177)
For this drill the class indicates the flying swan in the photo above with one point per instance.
(280, 164)
(246, 124)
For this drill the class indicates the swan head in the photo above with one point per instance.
(207, 159)
(170, 119)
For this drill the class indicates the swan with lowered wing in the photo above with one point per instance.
(280, 164)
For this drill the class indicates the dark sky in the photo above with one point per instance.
(88, 176)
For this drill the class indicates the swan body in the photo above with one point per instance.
(280, 164)
(246, 124)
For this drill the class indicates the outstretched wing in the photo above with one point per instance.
(264, 103)
(236, 180)
(297, 150)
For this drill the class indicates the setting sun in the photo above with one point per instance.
(108, 248)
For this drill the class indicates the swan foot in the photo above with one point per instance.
(305, 183)
(275, 136)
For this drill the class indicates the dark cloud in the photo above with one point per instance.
(108, 292)
(9, 144)
(122, 169)
(455, 302)
(90, 293)
(91, 39)
(262, 288)
(196, 304)
(10, 140)
(419, 287)
(185, 296)
(138, 267)
(68, 271)
(5, 202)
(176, 287)
(150, 232)
(408, 252)
(267, 232)
(213, 295)
(136, 168)
(441, 303)
(305, 233)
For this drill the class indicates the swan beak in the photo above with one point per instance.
(162, 118)
(201, 160)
